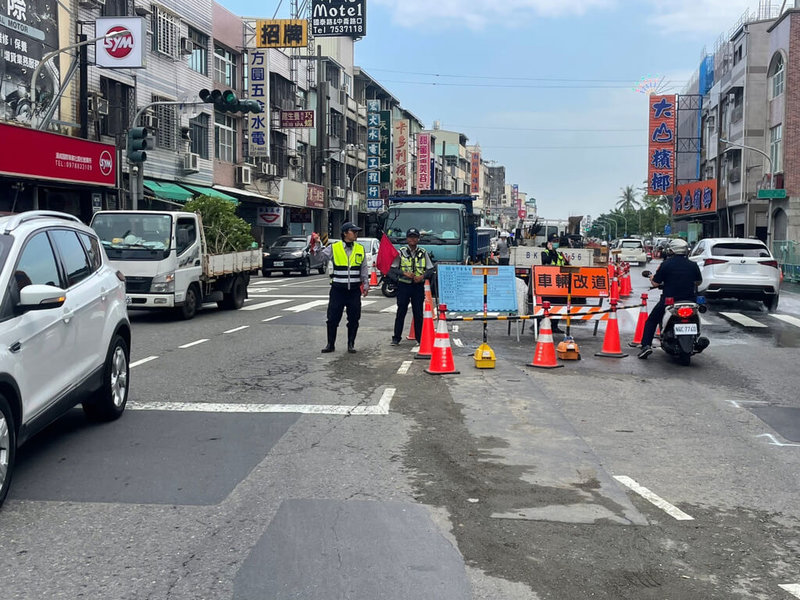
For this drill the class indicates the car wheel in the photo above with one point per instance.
(322, 268)
(189, 308)
(108, 403)
(771, 303)
(305, 268)
(8, 447)
(234, 300)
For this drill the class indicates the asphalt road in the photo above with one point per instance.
(251, 466)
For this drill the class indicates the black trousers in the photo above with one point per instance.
(415, 293)
(341, 298)
(504, 261)
(653, 321)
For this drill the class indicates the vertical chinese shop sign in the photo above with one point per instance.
(258, 123)
(661, 146)
(373, 153)
(423, 162)
(400, 156)
(475, 173)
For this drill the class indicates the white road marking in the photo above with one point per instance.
(195, 343)
(271, 319)
(261, 290)
(404, 367)
(792, 588)
(307, 306)
(458, 342)
(390, 309)
(263, 282)
(742, 319)
(737, 405)
(774, 441)
(265, 304)
(382, 408)
(705, 322)
(298, 296)
(141, 362)
(415, 349)
(367, 302)
(455, 328)
(235, 329)
(668, 508)
(788, 319)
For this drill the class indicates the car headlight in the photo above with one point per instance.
(163, 284)
(297, 253)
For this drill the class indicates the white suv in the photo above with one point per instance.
(64, 329)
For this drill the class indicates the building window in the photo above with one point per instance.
(777, 75)
(198, 59)
(225, 67)
(121, 100)
(166, 131)
(115, 8)
(224, 137)
(198, 134)
(776, 148)
(165, 32)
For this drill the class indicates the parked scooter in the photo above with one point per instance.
(680, 328)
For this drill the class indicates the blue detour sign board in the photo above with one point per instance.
(461, 288)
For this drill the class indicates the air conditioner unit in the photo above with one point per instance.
(731, 98)
(187, 46)
(151, 122)
(244, 175)
(338, 192)
(190, 162)
(295, 162)
(269, 169)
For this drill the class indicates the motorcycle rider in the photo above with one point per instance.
(678, 278)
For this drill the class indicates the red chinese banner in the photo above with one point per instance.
(400, 157)
(475, 174)
(661, 156)
(315, 196)
(423, 162)
(695, 198)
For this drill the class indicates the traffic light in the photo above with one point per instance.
(137, 144)
(228, 102)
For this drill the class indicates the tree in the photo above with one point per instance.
(223, 230)
(628, 202)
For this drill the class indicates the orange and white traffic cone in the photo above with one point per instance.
(637, 335)
(544, 356)
(373, 278)
(611, 343)
(442, 357)
(412, 334)
(428, 333)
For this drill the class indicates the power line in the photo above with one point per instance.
(561, 147)
(501, 85)
(569, 80)
(545, 129)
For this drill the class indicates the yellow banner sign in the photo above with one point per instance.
(281, 33)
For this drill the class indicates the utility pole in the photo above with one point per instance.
(322, 141)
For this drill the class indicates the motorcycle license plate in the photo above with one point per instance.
(278, 263)
(685, 328)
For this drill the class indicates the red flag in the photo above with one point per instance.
(386, 254)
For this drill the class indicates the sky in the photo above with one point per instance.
(547, 88)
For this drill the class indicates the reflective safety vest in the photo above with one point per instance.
(411, 263)
(347, 270)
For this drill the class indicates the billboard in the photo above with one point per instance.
(339, 18)
(475, 173)
(400, 156)
(661, 145)
(258, 123)
(281, 33)
(695, 198)
(297, 119)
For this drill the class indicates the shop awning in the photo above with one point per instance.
(168, 191)
(247, 194)
(207, 191)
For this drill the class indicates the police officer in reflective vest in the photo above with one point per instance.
(411, 267)
(349, 282)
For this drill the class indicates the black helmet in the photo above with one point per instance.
(412, 232)
(350, 226)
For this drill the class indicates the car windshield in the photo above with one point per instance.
(740, 249)
(435, 226)
(632, 244)
(136, 236)
(289, 243)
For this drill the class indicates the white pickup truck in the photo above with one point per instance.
(166, 264)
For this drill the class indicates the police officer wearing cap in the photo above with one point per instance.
(411, 268)
(349, 282)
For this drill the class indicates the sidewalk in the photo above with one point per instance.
(790, 288)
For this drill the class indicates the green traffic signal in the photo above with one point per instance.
(137, 144)
(227, 101)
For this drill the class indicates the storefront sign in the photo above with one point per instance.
(270, 216)
(315, 196)
(475, 173)
(126, 50)
(423, 162)
(400, 157)
(695, 198)
(44, 155)
(661, 146)
(297, 118)
(281, 33)
(258, 130)
(339, 18)
(374, 149)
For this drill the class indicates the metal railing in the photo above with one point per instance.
(787, 253)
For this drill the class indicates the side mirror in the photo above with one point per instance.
(40, 297)
(646, 273)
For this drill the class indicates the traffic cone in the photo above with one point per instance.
(442, 357)
(373, 278)
(611, 344)
(624, 283)
(428, 296)
(412, 334)
(637, 335)
(544, 356)
(428, 333)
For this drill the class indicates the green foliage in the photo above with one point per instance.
(224, 231)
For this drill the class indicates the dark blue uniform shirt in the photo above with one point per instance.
(678, 275)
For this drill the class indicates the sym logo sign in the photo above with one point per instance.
(106, 162)
(122, 51)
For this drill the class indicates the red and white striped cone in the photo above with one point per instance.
(544, 356)
(412, 334)
(442, 358)
(637, 335)
(611, 344)
(428, 333)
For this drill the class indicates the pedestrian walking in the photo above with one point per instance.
(349, 283)
(411, 268)
(503, 253)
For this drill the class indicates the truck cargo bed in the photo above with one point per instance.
(233, 262)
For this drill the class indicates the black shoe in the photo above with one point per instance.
(327, 349)
(645, 351)
(351, 349)
(395, 342)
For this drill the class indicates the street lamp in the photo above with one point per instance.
(608, 222)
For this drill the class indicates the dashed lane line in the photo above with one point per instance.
(271, 319)
(306, 306)
(668, 508)
(142, 361)
(194, 343)
(788, 319)
(390, 309)
(404, 367)
(235, 329)
(382, 408)
(742, 320)
(792, 588)
(265, 304)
